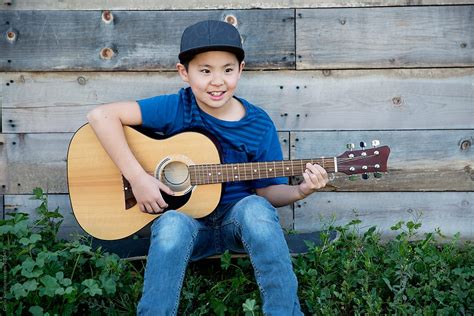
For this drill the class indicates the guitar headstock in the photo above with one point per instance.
(364, 160)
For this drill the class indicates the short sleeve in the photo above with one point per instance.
(270, 150)
(160, 113)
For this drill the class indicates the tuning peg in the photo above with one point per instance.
(365, 176)
(353, 178)
(363, 145)
(350, 146)
(377, 175)
(375, 143)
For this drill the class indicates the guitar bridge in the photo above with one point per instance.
(130, 200)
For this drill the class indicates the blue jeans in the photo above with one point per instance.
(251, 225)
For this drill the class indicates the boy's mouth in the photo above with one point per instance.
(216, 95)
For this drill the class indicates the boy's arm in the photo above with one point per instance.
(107, 122)
(315, 178)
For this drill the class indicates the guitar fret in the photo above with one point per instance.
(232, 172)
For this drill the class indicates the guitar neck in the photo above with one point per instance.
(219, 173)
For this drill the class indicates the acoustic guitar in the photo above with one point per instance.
(189, 163)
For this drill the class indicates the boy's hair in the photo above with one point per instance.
(207, 36)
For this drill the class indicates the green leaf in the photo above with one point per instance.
(50, 286)
(36, 310)
(18, 290)
(29, 269)
(30, 285)
(250, 305)
(388, 283)
(92, 287)
(5, 229)
(108, 284)
(225, 260)
(28, 241)
(69, 290)
(218, 307)
(20, 229)
(81, 249)
(38, 193)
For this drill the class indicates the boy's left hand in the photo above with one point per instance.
(315, 178)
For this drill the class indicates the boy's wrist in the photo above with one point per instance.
(301, 193)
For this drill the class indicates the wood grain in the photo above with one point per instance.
(211, 4)
(452, 212)
(438, 36)
(140, 40)
(295, 100)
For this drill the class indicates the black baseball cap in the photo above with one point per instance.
(210, 35)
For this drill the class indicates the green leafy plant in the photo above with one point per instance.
(47, 276)
(359, 274)
(356, 274)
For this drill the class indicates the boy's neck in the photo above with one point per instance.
(232, 113)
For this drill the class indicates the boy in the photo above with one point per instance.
(211, 62)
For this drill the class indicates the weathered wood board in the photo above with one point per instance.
(39, 160)
(2, 213)
(452, 212)
(430, 160)
(437, 36)
(295, 100)
(140, 40)
(23, 203)
(209, 4)
(437, 160)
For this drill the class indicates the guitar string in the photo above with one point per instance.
(244, 167)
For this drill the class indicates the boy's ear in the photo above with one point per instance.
(182, 72)
(241, 68)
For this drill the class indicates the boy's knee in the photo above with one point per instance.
(173, 229)
(255, 208)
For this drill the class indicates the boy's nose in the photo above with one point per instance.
(217, 80)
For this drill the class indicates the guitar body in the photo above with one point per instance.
(100, 197)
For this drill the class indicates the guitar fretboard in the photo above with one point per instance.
(219, 173)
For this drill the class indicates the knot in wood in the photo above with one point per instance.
(397, 100)
(11, 36)
(82, 81)
(107, 17)
(107, 53)
(231, 19)
(465, 145)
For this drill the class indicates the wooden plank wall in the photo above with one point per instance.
(327, 72)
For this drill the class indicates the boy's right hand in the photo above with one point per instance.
(146, 189)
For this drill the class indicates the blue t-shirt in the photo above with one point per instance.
(251, 139)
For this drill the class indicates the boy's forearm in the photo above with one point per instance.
(282, 194)
(109, 131)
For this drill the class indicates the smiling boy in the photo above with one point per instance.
(211, 62)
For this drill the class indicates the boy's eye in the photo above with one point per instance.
(205, 71)
(229, 70)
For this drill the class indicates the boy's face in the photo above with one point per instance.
(213, 78)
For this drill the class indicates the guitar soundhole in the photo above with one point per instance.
(175, 175)
(174, 172)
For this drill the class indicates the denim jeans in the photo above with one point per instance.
(251, 225)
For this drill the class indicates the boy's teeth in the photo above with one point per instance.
(216, 93)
